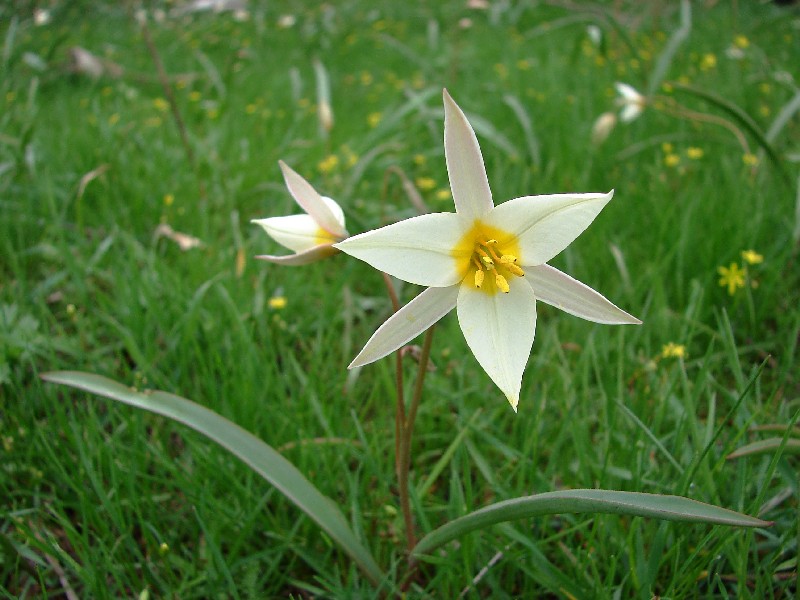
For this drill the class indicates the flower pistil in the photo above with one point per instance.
(488, 250)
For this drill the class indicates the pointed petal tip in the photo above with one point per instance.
(514, 401)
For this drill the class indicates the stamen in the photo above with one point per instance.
(515, 270)
(508, 258)
(501, 282)
(479, 275)
(494, 254)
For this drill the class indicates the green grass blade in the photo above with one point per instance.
(668, 508)
(741, 117)
(768, 445)
(258, 455)
(675, 41)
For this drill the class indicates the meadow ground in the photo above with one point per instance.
(700, 241)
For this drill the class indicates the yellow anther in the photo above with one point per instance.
(508, 258)
(515, 270)
(501, 282)
(491, 242)
(478, 278)
(487, 260)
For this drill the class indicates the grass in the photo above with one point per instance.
(104, 501)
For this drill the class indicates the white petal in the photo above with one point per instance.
(545, 225)
(338, 214)
(499, 329)
(629, 112)
(628, 92)
(418, 250)
(296, 232)
(468, 181)
(302, 258)
(562, 291)
(407, 323)
(311, 202)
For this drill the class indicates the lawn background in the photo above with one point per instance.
(111, 502)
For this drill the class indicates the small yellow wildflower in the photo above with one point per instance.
(666, 148)
(113, 119)
(731, 277)
(501, 70)
(708, 62)
(443, 194)
(672, 160)
(764, 88)
(750, 159)
(195, 96)
(694, 153)
(351, 158)
(419, 159)
(366, 78)
(764, 110)
(672, 350)
(373, 119)
(163, 548)
(212, 112)
(169, 199)
(328, 164)
(425, 183)
(751, 257)
(250, 109)
(161, 105)
(741, 41)
(278, 302)
(524, 64)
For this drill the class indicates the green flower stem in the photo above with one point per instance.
(401, 464)
(405, 453)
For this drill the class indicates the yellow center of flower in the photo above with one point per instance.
(488, 257)
(323, 237)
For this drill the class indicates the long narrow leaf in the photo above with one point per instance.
(675, 41)
(255, 453)
(791, 446)
(668, 508)
(744, 119)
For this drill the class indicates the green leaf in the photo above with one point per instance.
(256, 454)
(791, 445)
(741, 117)
(675, 41)
(668, 508)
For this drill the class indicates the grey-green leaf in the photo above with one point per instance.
(258, 455)
(792, 446)
(669, 508)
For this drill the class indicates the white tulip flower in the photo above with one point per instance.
(488, 262)
(631, 101)
(312, 235)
